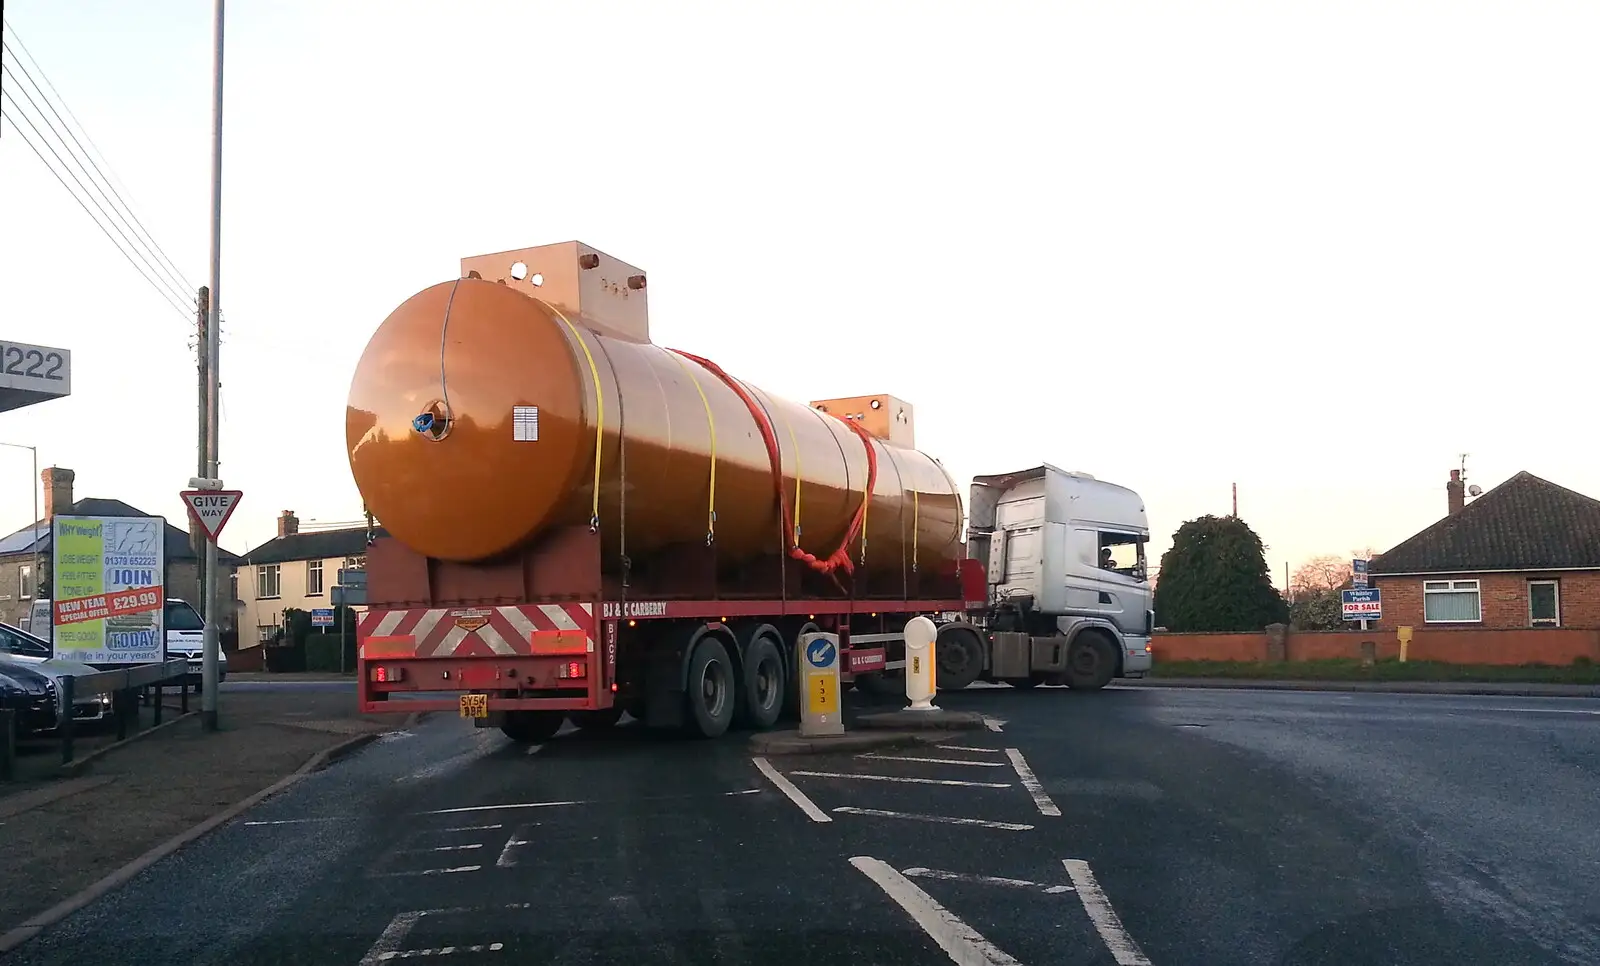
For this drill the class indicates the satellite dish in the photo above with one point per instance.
(1474, 490)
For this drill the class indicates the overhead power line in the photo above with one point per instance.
(167, 282)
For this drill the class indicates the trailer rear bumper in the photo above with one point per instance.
(452, 705)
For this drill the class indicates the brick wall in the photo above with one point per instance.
(1469, 645)
(1504, 599)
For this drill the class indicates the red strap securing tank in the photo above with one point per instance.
(840, 558)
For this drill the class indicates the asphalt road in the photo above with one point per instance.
(1124, 827)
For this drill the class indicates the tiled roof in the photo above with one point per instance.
(1525, 523)
(177, 541)
(316, 545)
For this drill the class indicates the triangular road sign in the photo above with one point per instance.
(210, 509)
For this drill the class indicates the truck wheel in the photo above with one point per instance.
(710, 690)
(597, 720)
(528, 727)
(959, 658)
(762, 689)
(1091, 661)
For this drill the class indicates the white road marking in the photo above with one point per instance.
(993, 724)
(941, 819)
(448, 764)
(441, 951)
(443, 848)
(789, 790)
(296, 821)
(470, 828)
(902, 779)
(936, 761)
(516, 840)
(1123, 949)
(588, 801)
(986, 751)
(1528, 710)
(1031, 782)
(388, 945)
(922, 873)
(462, 868)
(963, 944)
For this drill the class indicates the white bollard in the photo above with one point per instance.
(920, 678)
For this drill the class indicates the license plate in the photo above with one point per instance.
(474, 706)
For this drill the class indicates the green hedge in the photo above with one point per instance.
(322, 652)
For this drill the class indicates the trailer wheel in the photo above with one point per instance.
(597, 720)
(958, 656)
(711, 688)
(761, 691)
(1091, 661)
(527, 727)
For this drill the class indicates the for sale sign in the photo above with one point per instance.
(1362, 605)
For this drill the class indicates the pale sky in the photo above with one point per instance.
(1318, 249)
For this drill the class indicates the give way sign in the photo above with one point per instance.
(210, 509)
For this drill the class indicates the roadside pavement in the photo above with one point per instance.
(1525, 690)
(137, 796)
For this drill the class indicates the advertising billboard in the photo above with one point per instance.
(107, 589)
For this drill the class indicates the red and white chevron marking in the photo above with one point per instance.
(529, 629)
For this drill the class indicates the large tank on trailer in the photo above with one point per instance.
(477, 410)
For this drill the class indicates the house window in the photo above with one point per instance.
(1544, 603)
(1451, 602)
(233, 585)
(25, 581)
(266, 581)
(265, 632)
(313, 578)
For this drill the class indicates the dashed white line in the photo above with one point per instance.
(1031, 782)
(963, 944)
(295, 821)
(589, 801)
(794, 794)
(444, 848)
(922, 873)
(993, 724)
(470, 828)
(534, 749)
(1123, 949)
(941, 819)
(937, 761)
(903, 779)
(411, 872)
(440, 951)
(986, 751)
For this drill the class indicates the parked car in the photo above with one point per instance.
(33, 696)
(18, 647)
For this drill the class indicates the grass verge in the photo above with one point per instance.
(1388, 670)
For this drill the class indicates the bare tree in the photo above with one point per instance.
(1320, 575)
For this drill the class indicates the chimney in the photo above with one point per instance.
(1456, 491)
(288, 523)
(57, 491)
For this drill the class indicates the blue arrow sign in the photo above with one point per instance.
(820, 652)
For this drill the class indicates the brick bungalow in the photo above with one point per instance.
(1525, 554)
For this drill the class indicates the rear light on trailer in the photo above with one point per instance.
(387, 675)
(573, 669)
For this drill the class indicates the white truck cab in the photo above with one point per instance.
(1069, 593)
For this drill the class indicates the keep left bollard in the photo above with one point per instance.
(920, 636)
(818, 667)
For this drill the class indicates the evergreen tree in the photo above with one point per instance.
(1214, 578)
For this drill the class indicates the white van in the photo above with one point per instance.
(185, 635)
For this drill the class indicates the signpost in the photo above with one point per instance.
(107, 589)
(210, 506)
(820, 715)
(1365, 604)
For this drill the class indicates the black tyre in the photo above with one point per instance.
(1091, 661)
(762, 685)
(959, 657)
(597, 720)
(529, 727)
(1023, 684)
(710, 689)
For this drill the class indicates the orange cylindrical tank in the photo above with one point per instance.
(675, 443)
